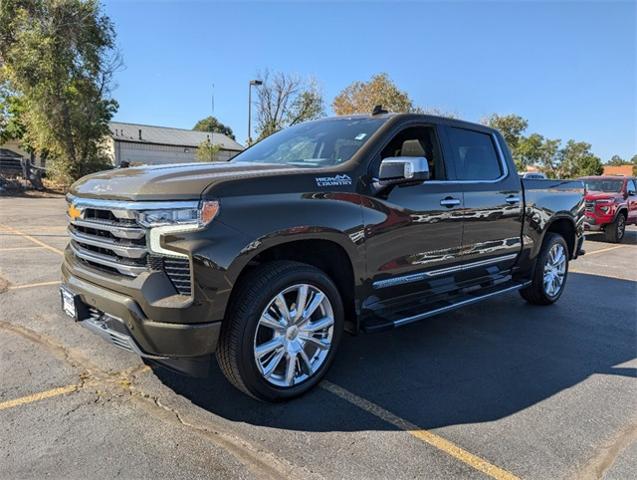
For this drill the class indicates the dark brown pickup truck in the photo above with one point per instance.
(343, 224)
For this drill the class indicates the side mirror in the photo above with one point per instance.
(395, 170)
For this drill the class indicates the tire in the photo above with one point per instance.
(254, 322)
(614, 232)
(538, 293)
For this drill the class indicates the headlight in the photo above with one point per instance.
(174, 221)
(199, 216)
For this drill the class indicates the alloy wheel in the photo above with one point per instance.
(621, 227)
(294, 335)
(555, 270)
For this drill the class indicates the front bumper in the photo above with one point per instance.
(594, 222)
(116, 316)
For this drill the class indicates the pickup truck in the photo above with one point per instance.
(611, 204)
(352, 224)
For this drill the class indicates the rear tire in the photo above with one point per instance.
(551, 270)
(264, 315)
(614, 232)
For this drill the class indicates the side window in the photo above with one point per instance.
(630, 187)
(418, 142)
(474, 155)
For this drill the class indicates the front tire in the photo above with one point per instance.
(614, 232)
(281, 331)
(551, 270)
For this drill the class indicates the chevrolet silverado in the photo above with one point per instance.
(350, 224)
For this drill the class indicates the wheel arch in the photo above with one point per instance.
(326, 254)
(621, 210)
(564, 226)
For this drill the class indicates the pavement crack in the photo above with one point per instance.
(72, 358)
(107, 386)
(261, 462)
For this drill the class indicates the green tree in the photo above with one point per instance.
(616, 160)
(538, 151)
(512, 128)
(362, 97)
(211, 124)
(207, 151)
(577, 160)
(284, 100)
(59, 57)
(633, 160)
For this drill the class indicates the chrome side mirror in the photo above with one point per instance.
(395, 170)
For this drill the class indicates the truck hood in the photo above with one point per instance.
(593, 195)
(183, 181)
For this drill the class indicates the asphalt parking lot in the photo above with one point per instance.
(499, 390)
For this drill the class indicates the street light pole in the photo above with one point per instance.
(255, 83)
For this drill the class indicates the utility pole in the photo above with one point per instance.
(255, 83)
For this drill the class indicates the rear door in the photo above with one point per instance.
(492, 209)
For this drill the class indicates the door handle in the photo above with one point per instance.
(512, 199)
(449, 202)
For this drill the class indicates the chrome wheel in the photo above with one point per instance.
(294, 335)
(555, 270)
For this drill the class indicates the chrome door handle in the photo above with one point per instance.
(449, 202)
(512, 200)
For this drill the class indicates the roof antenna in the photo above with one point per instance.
(378, 110)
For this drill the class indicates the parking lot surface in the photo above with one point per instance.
(498, 390)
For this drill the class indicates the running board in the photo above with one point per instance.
(463, 302)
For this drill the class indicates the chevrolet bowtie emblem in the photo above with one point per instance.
(74, 212)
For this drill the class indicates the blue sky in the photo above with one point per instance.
(568, 67)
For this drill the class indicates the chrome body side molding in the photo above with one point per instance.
(415, 277)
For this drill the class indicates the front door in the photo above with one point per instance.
(413, 233)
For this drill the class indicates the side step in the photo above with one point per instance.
(445, 306)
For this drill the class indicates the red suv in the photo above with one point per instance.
(611, 204)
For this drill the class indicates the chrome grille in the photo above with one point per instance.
(106, 236)
(109, 240)
(589, 206)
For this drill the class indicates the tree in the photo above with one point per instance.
(510, 126)
(59, 56)
(284, 100)
(362, 97)
(211, 124)
(577, 160)
(538, 151)
(616, 160)
(207, 151)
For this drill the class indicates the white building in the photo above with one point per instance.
(148, 144)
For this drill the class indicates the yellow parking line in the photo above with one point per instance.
(426, 436)
(34, 240)
(11, 249)
(603, 250)
(38, 396)
(29, 285)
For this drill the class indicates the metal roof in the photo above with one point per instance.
(130, 132)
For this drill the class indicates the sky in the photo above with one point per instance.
(569, 68)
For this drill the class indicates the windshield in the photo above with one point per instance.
(604, 185)
(314, 144)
